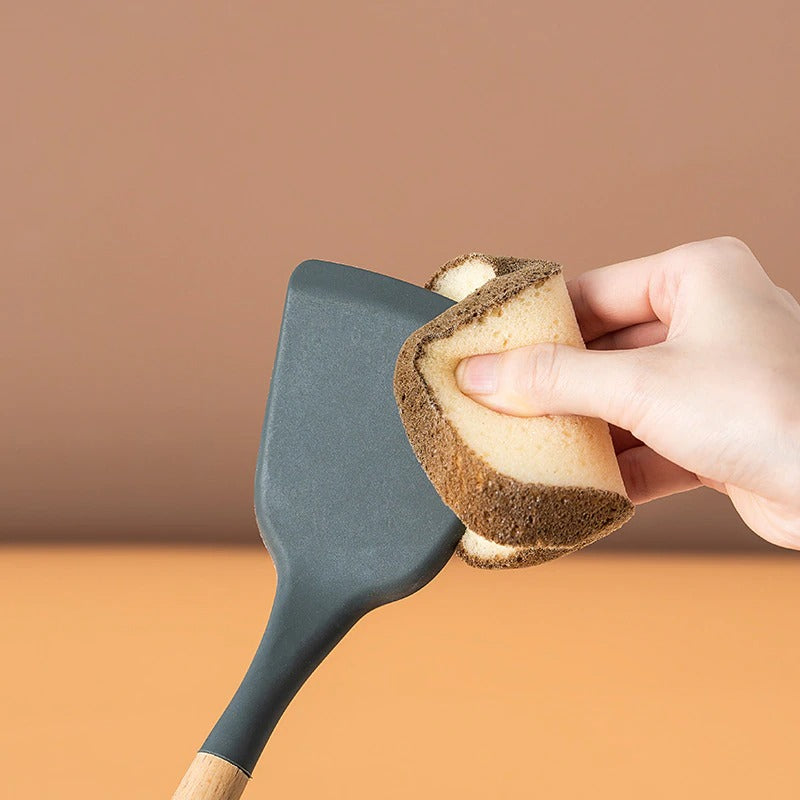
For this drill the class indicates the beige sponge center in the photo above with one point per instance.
(554, 450)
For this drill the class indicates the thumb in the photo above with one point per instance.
(557, 379)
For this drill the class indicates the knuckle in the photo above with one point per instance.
(782, 526)
(729, 245)
(539, 374)
(709, 264)
(663, 292)
(725, 253)
(717, 254)
(638, 395)
(788, 298)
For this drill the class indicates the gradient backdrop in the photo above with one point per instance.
(164, 165)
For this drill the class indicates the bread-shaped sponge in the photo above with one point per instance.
(528, 489)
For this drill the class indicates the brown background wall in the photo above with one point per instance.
(165, 164)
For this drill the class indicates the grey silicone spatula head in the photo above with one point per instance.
(346, 511)
(339, 492)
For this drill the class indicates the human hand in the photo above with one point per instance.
(694, 360)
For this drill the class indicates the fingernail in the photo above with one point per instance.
(478, 374)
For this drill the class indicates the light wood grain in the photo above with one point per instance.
(211, 778)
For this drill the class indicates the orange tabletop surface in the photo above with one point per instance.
(603, 676)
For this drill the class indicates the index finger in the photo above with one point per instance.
(618, 296)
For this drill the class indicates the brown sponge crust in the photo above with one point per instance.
(496, 506)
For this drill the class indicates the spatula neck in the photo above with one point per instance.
(305, 624)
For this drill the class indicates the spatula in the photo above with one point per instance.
(344, 508)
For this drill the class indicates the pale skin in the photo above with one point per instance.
(694, 360)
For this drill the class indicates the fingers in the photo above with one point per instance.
(788, 298)
(620, 296)
(648, 475)
(645, 289)
(717, 486)
(557, 379)
(642, 335)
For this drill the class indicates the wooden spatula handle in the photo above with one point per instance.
(211, 778)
